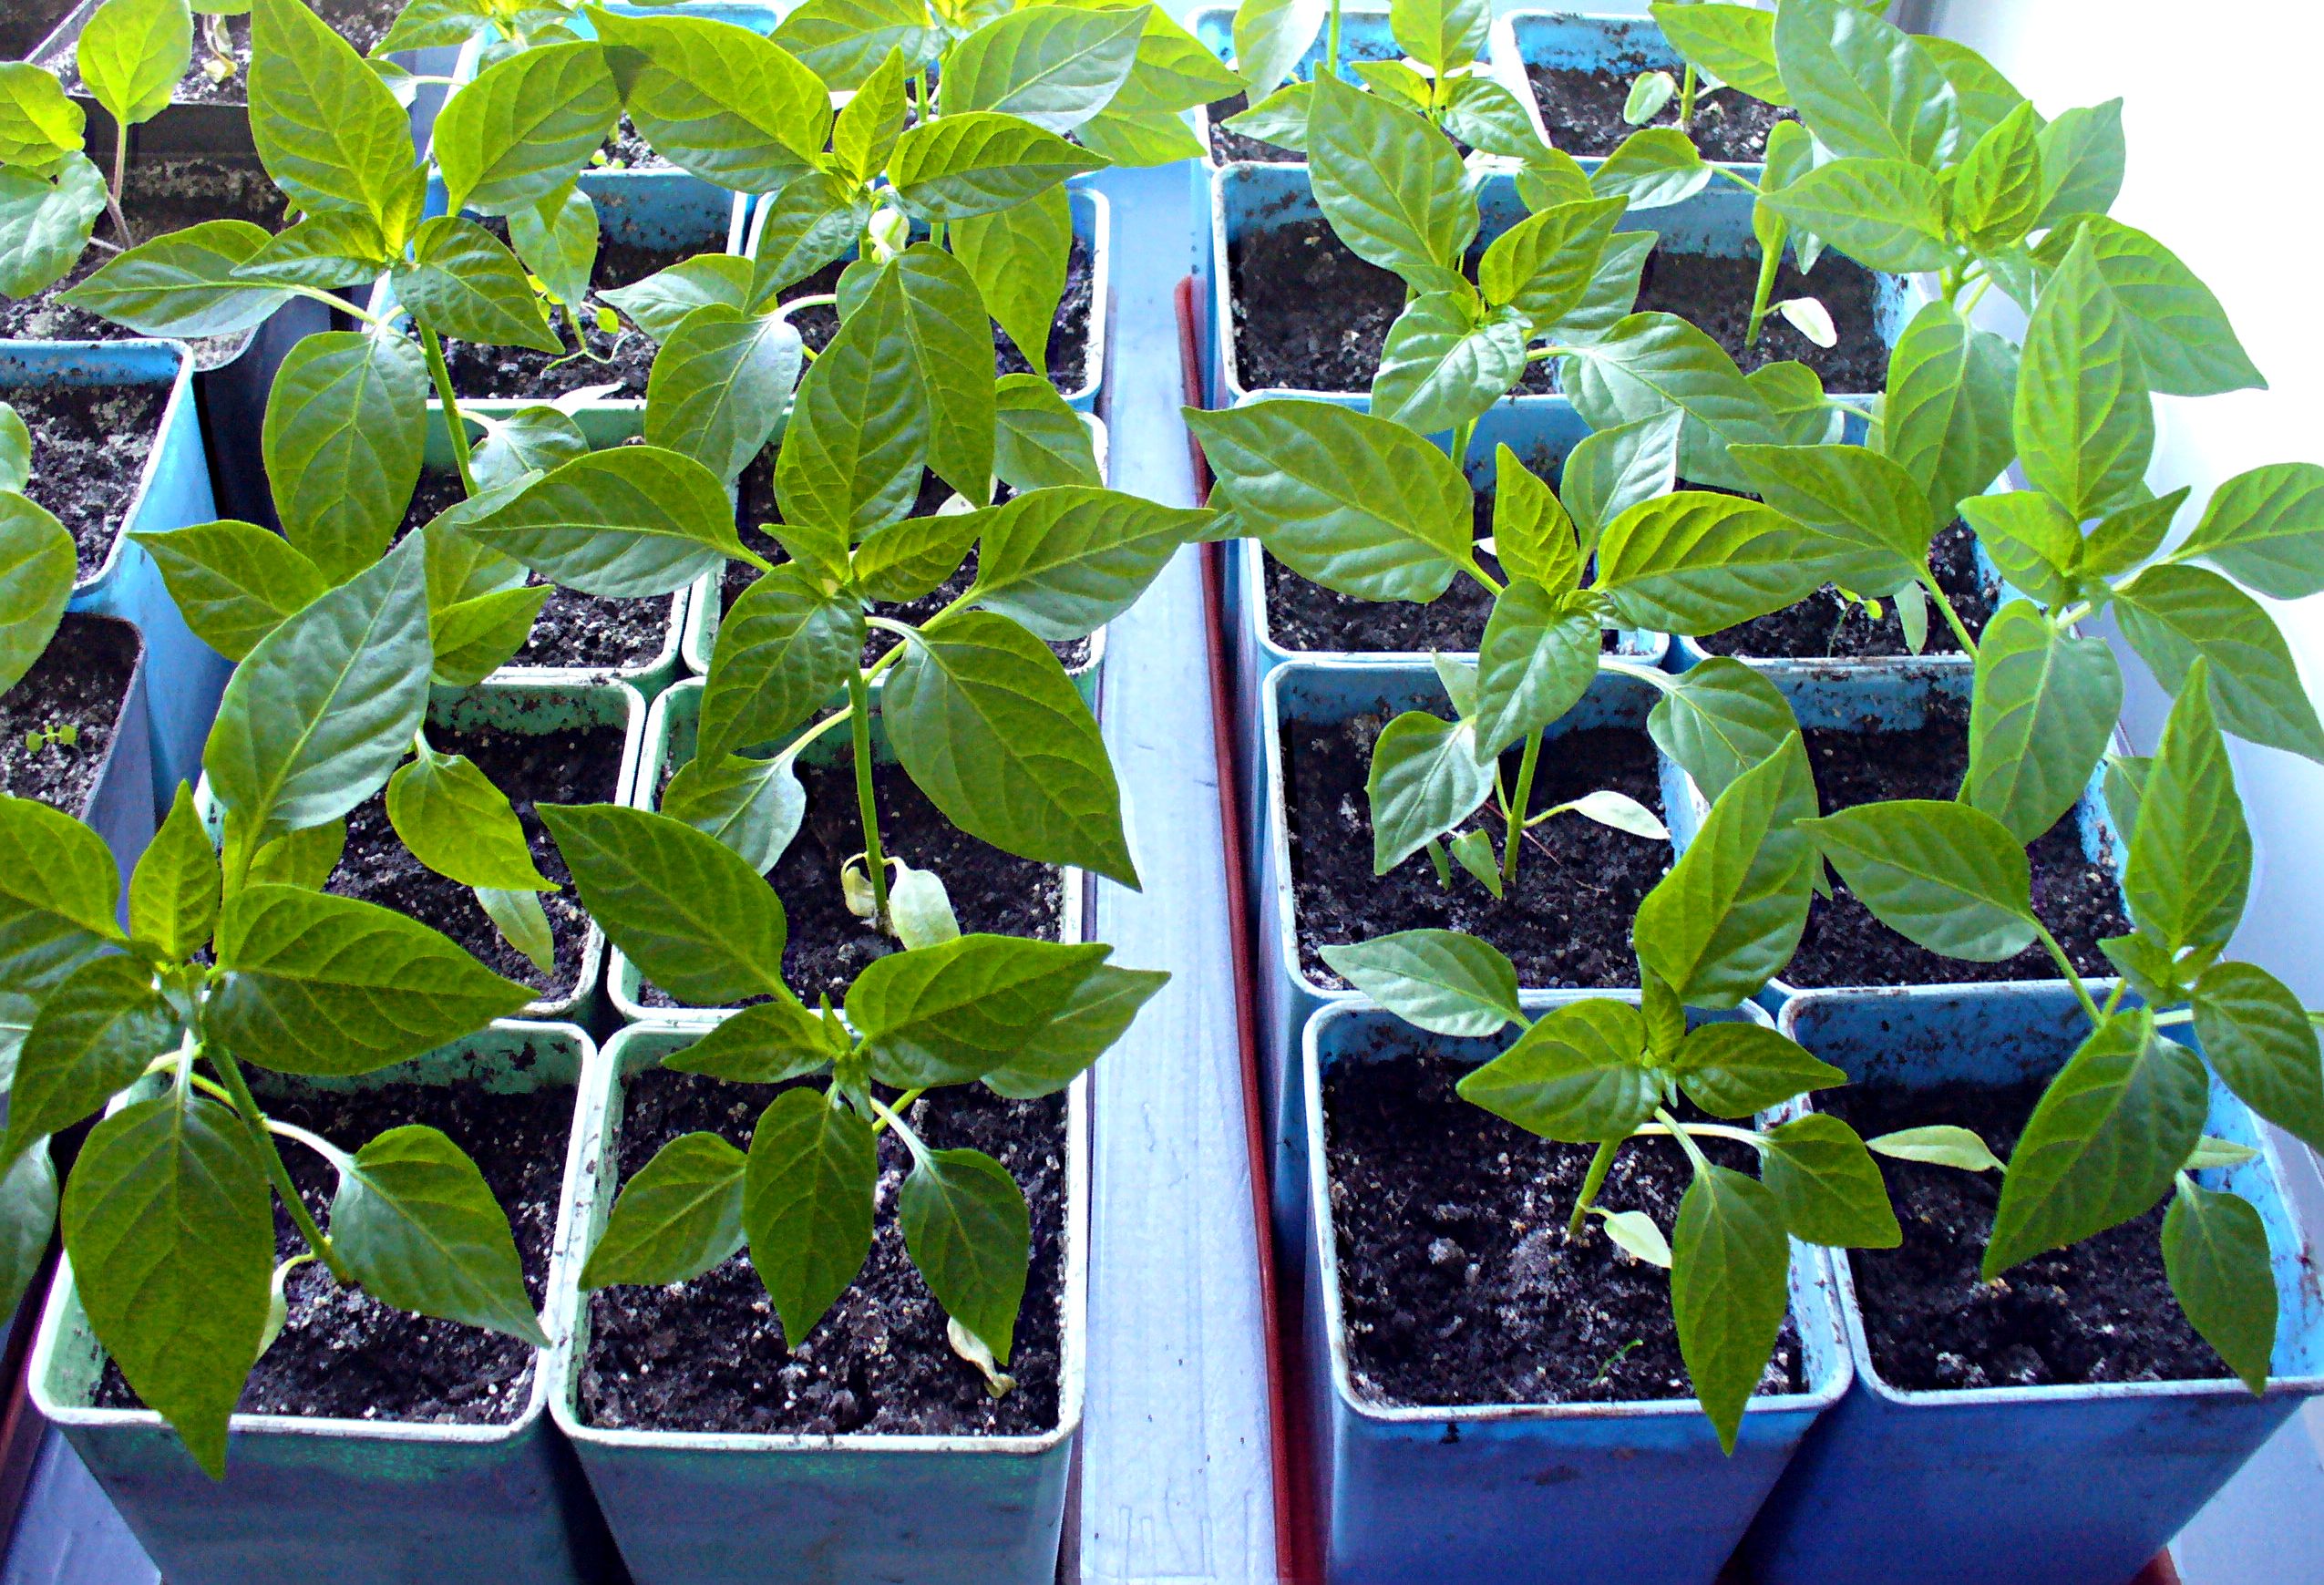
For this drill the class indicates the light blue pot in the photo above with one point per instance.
(1575, 1492)
(2060, 1485)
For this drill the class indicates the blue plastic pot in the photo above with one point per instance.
(708, 1509)
(1535, 1491)
(364, 1502)
(1328, 693)
(1575, 41)
(120, 807)
(1897, 695)
(2063, 1485)
(184, 677)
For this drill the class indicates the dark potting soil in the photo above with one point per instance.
(82, 681)
(1309, 314)
(827, 947)
(624, 358)
(346, 1355)
(27, 25)
(89, 446)
(1824, 624)
(1228, 145)
(1456, 1279)
(709, 1355)
(1583, 112)
(1567, 922)
(1068, 350)
(627, 151)
(362, 22)
(2099, 1312)
(159, 197)
(573, 629)
(571, 766)
(2079, 900)
(1713, 291)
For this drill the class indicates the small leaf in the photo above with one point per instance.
(1622, 813)
(2190, 860)
(1830, 1190)
(184, 284)
(953, 1011)
(1538, 656)
(173, 895)
(623, 523)
(131, 53)
(967, 1228)
(1938, 1144)
(1718, 719)
(2173, 615)
(1652, 169)
(235, 583)
(463, 282)
(719, 386)
(1577, 1075)
(455, 821)
(680, 1215)
(1392, 186)
(346, 424)
(2265, 528)
(1730, 912)
(1441, 980)
(38, 566)
(1635, 1231)
(975, 161)
(27, 1221)
(783, 651)
(2261, 1043)
(2085, 424)
(806, 1204)
(526, 123)
(1735, 1070)
(721, 101)
(1426, 779)
(91, 1039)
(2214, 1251)
(2042, 709)
(753, 806)
(1730, 1288)
(766, 1043)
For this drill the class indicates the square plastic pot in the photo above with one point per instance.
(669, 735)
(184, 677)
(708, 1508)
(1687, 651)
(1326, 693)
(2064, 1485)
(119, 808)
(1897, 696)
(363, 1502)
(1579, 41)
(1530, 1491)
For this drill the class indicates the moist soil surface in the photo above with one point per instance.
(1713, 291)
(624, 358)
(1309, 314)
(709, 1355)
(1824, 624)
(1583, 112)
(573, 765)
(2079, 900)
(362, 22)
(827, 946)
(89, 446)
(1456, 1279)
(81, 680)
(346, 1355)
(1567, 922)
(1068, 349)
(28, 24)
(2099, 1312)
(160, 196)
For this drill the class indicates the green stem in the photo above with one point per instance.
(120, 175)
(256, 1121)
(1764, 295)
(820, 300)
(1526, 769)
(2175, 1016)
(903, 1103)
(1678, 1132)
(1952, 617)
(888, 1114)
(454, 424)
(1661, 680)
(1331, 46)
(1705, 1131)
(1462, 433)
(859, 715)
(2066, 969)
(1599, 1165)
(1686, 100)
(1745, 183)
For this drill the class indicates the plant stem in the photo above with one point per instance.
(1663, 681)
(2066, 968)
(887, 1115)
(2175, 1016)
(1952, 617)
(1686, 100)
(1705, 1130)
(454, 424)
(1526, 767)
(1331, 48)
(903, 1103)
(860, 711)
(1599, 1165)
(820, 300)
(1763, 295)
(255, 1120)
(1686, 1141)
(1461, 437)
(1745, 183)
(120, 175)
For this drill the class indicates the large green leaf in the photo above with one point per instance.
(323, 708)
(968, 1231)
(90, 1040)
(38, 122)
(2085, 424)
(1443, 366)
(1886, 214)
(1065, 563)
(2265, 528)
(1872, 509)
(1947, 418)
(1442, 982)
(624, 523)
(1054, 66)
(183, 284)
(45, 225)
(814, 220)
(131, 52)
(987, 724)
(1997, 191)
(1647, 363)
(1578, 1075)
(1718, 719)
(1270, 38)
(416, 1224)
(806, 1204)
(1426, 778)
(1654, 167)
(1736, 44)
(171, 1234)
(38, 565)
(1694, 562)
(2175, 615)
(174, 893)
(716, 98)
(950, 363)
(783, 651)
(345, 426)
(1614, 470)
(463, 282)
(766, 1043)
(2184, 342)
(1864, 86)
(720, 384)
(977, 161)
(1730, 912)
(1949, 877)
(1738, 1069)
(1392, 185)
(903, 562)
(953, 1011)
(2214, 1251)
(1533, 535)
(1730, 1288)
(2041, 715)
(1545, 265)
(1097, 1013)
(1443, 35)
(58, 891)
(2082, 157)
(335, 249)
(1017, 258)
(235, 583)
(1829, 1187)
(753, 806)
(2257, 1035)
(459, 825)
(332, 134)
(853, 447)
(2190, 852)
(660, 303)
(680, 1215)
(525, 126)
(844, 41)
(1538, 656)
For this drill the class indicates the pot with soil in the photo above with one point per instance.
(372, 1445)
(1902, 732)
(828, 944)
(1839, 635)
(1565, 924)
(1579, 68)
(74, 733)
(874, 1452)
(1488, 1395)
(115, 450)
(2061, 1424)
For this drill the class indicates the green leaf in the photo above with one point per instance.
(950, 363)
(1280, 117)
(2259, 1039)
(720, 384)
(783, 651)
(1613, 293)
(462, 283)
(335, 249)
(2190, 852)
(2085, 424)
(1654, 167)
(59, 889)
(1984, 96)
(1997, 191)
(1730, 912)
(1441, 980)
(1614, 470)
(1886, 214)
(45, 225)
(2173, 616)
(1545, 265)
(38, 123)
(977, 161)
(1648, 364)
(1735, 44)
(346, 428)
(1864, 86)
(1482, 113)
(459, 825)
(903, 562)
(1054, 66)
(2102, 1144)
(303, 857)
(417, 1225)
(1828, 1185)
(679, 1215)
(1730, 1288)
(556, 240)
(27, 1222)
(1874, 509)
(1039, 442)
(844, 41)
(1941, 1145)
(1533, 537)
(332, 135)
(1426, 779)
(1718, 719)
(852, 450)
(1017, 258)
(968, 1231)
(173, 895)
(322, 709)
(1392, 186)
(1538, 656)
(766, 1043)
(867, 126)
(2031, 541)
(531, 440)
(1443, 35)
(1065, 563)
(1442, 366)
(814, 220)
(131, 53)
(38, 565)
(1577, 1076)
(986, 723)
(171, 1234)
(528, 124)
(753, 806)
(2214, 1251)
(323, 984)
(692, 913)
(91, 1039)
(1694, 562)
(624, 523)
(954, 1010)
(1096, 1015)
(717, 99)
(1949, 414)
(660, 303)
(806, 1204)
(2082, 157)
(1271, 37)
(2040, 718)
(1736, 1070)
(2265, 528)
(1361, 506)
(183, 284)
(1946, 876)
(15, 451)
